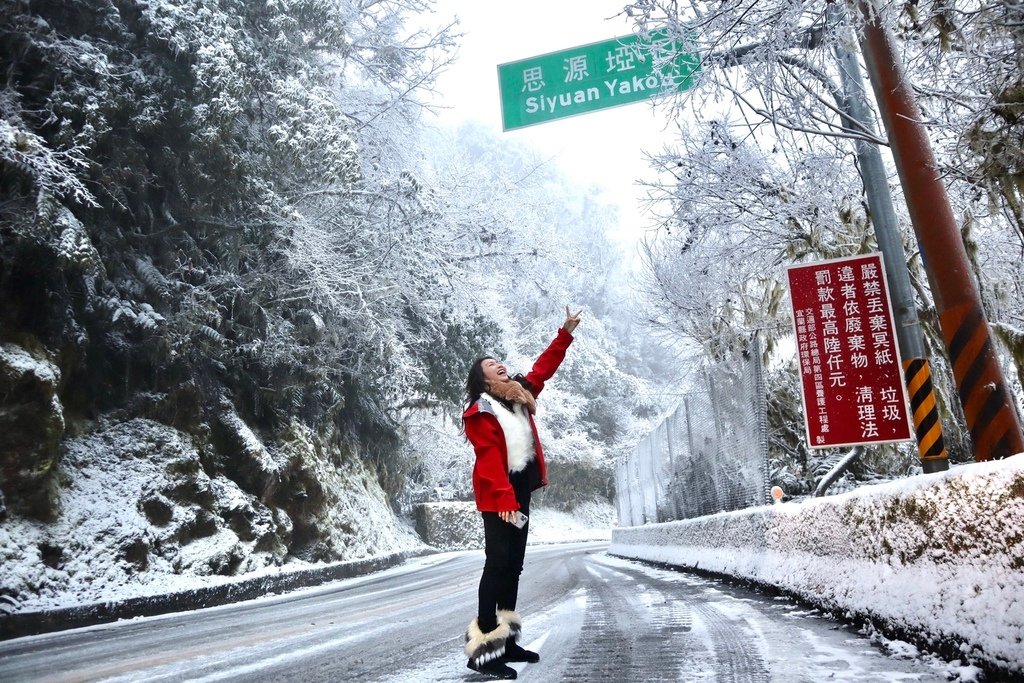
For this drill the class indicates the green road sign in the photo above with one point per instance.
(591, 77)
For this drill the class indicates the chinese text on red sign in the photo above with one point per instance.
(850, 371)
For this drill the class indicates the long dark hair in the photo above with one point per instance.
(475, 382)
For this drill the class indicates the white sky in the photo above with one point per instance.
(603, 148)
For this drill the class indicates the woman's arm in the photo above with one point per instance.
(548, 362)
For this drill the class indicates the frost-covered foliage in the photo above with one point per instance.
(733, 215)
(183, 136)
(529, 244)
(228, 219)
(764, 175)
(159, 163)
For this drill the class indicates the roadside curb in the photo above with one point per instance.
(18, 625)
(910, 557)
(942, 645)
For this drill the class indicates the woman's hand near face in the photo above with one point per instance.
(571, 320)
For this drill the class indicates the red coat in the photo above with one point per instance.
(490, 473)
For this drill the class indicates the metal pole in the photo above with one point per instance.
(691, 458)
(638, 516)
(673, 476)
(991, 416)
(917, 372)
(760, 398)
(715, 458)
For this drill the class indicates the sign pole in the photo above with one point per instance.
(917, 370)
(987, 402)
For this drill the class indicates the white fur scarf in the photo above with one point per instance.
(518, 436)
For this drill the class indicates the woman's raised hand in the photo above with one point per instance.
(571, 320)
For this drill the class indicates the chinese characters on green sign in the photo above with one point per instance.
(591, 77)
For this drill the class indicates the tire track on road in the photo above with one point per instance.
(670, 647)
(623, 639)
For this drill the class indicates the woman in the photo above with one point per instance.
(509, 466)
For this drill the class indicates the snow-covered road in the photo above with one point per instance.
(592, 618)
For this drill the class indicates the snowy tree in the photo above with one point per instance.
(230, 218)
(511, 236)
(159, 159)
(764, 173)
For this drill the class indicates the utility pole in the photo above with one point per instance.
(916, 369)
(988, 405)
(857, 115)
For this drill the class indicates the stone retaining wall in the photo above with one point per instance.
(450, 525)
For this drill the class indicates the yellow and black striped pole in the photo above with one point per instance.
(925, 409)
(987, 404)
(987, 401)
(917, 374)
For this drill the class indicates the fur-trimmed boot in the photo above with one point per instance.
(486, 649)
(514, 652)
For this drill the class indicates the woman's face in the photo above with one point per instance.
(494, 371)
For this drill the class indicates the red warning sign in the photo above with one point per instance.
(850, 369)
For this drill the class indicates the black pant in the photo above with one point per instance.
(504, 549)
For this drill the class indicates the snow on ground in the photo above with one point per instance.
(590, 521)
(939, 555)
(795, 644)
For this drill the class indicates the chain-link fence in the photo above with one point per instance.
(709, 455)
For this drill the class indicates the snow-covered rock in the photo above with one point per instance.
(142, 512)
(31, 427)
(450, 525)
(457, 526)
(941, 555)
(344, 514)
(136, 512)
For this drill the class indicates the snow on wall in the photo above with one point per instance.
(939, 554)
